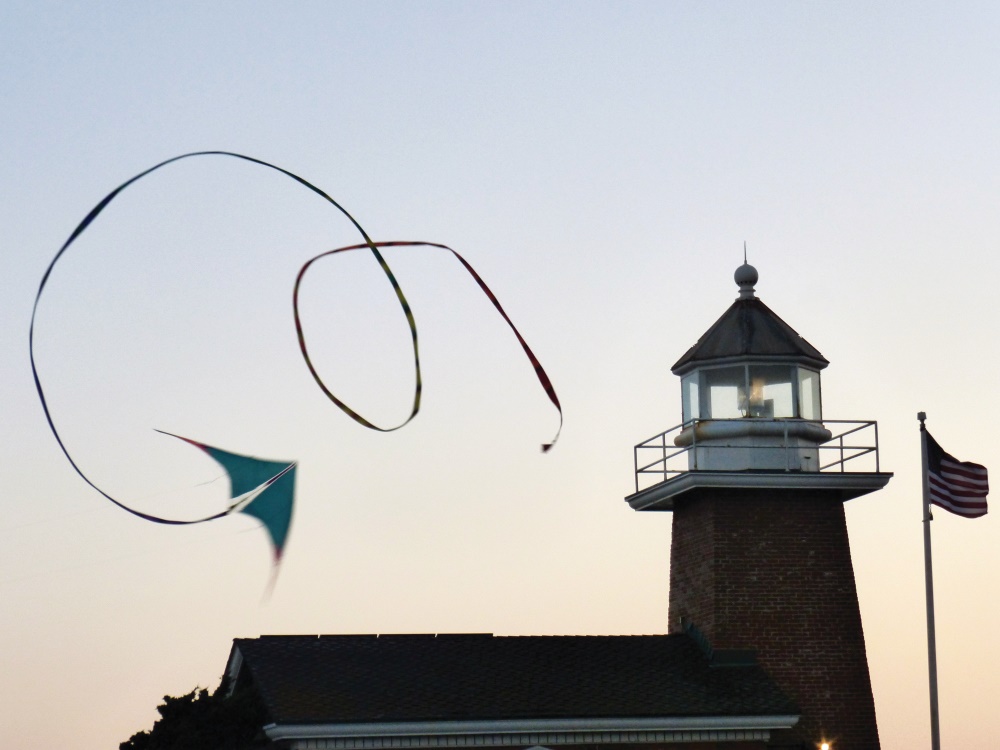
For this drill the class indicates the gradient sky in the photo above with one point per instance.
(601, 165)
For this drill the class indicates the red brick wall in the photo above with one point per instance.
(772, 572)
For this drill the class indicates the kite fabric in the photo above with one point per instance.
(265, 489)
(262, 489)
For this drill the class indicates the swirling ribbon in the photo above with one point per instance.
(368, 243)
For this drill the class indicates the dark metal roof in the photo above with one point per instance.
(749, 329)
(390, 678)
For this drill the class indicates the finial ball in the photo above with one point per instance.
(746, 275)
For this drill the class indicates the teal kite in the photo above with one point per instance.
(266, 489)
(262, 489)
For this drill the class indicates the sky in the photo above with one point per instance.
(600, 165)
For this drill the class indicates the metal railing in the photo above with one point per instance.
(658, 458)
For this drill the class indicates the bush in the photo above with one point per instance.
(199, 721)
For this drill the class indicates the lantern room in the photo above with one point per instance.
(750, 364)
(752, 404)
(750, 391)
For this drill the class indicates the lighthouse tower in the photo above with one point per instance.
(756, 479)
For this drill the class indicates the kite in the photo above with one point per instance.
(261, 488)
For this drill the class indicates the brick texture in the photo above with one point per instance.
(771, 571)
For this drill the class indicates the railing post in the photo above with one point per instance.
(663, 456)
(875, 425)
(635, 464)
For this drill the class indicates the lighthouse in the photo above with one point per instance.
(756, 478)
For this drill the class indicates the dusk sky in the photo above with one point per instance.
(600, 165)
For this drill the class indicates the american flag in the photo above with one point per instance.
(958, 486)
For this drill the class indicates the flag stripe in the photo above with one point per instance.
(974, 488)
(944, 497)
(974, 512)
(980, 487)
(959, 474)
(944, 491)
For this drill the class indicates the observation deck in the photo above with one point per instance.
(838, 457)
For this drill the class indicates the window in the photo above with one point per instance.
(751, 390)
(809, 400)
(689, 397)
(725, 389)
(770, 392)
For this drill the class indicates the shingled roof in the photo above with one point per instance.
(413, 678)
(749, 329)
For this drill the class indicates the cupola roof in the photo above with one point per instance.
(749, 329)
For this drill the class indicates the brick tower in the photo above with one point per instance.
(756, 480)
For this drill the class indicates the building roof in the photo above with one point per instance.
(360, 679)
(749, 329)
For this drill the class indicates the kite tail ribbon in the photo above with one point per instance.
(540, 373)
(265, 489)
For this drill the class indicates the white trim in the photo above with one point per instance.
(519, 740)
(233, 668)
(511, 732)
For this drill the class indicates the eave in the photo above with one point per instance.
(692, 484)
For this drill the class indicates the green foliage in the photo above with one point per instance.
(199, 721)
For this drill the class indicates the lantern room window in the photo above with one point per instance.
(689, 396)
(763, 391)
(724, 392)
(809, 397)
(770, 392)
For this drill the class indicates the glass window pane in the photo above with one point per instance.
(771, 391)
(809, 405)
(689, 397)
(724, 392)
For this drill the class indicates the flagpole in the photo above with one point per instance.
(929, 587)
